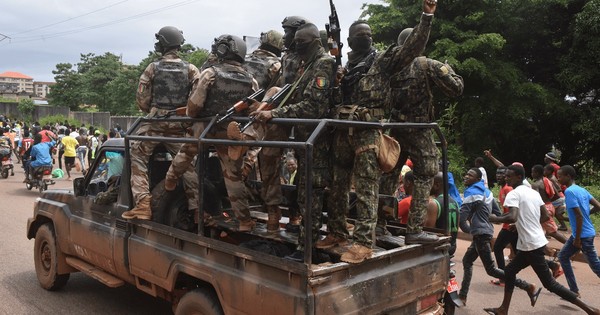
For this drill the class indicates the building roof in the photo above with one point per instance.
(15, 75)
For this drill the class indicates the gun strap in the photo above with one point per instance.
(295, 85)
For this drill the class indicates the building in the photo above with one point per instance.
(41, 89)
(15, 83)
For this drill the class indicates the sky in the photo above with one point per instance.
(36, 35)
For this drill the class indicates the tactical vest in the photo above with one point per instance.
(349, 82)
(232, 83)
(171, 84)
(258, 65)
(373, 88)
(410, 95)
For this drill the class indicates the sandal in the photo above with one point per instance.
(533, 298)
(491, 311)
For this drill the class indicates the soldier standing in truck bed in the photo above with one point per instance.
(165, 85)
(309, 99)
(219, 86)
(411, 101)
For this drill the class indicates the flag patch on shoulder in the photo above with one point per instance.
(321, 82)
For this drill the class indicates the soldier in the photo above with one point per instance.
(360, 60)
(263, 64)
(411, 100)
(291, 60)
(355, 150)
(165, 85)
(220, 85)
(309, 100)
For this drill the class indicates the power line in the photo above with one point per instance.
(74, 31)
(70, 19)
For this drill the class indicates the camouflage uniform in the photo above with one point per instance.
(290, 64)
(355, 150)
(311, 100)
(158, 92)
(220, 85)
(411, 101)
(264, 67)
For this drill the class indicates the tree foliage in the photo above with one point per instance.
(105, 82)
(530, 69)
(26, 107)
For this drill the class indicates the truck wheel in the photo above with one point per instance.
(449, 307)
(199, 301)
(45, 255)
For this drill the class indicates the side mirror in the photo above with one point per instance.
(78, 186)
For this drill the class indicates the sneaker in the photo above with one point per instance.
(420, 238)
(330, 241)
(357, 254)
(381, 231)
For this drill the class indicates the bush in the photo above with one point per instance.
(51, 120)
(26, 107)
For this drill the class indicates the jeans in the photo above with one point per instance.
(81, 151)
(568, 250)
(480, 247)
(536, 259)
(504, 238)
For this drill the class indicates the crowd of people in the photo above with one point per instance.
(61, 146)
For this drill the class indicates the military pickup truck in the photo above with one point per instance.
(214, 269)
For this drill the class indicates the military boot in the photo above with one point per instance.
(356, 254)
(170, 183)
(274, 216)
(330, 241)
(141, 211)
(234, 133)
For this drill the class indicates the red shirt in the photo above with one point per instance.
(47, 135)
(403, 207)
(501, 196)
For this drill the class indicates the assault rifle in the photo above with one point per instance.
(243, 104)
(334, 39)
(270, 103)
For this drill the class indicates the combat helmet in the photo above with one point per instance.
(229, 47)
(168, 37)
(272, 38)
(293, 21)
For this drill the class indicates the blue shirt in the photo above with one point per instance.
(477, 206)
(578, 197)
(41, 153)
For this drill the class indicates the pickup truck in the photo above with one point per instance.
(214, 269)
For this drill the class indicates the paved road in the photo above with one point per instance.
(20, 292)
(483, 294)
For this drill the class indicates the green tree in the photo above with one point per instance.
(510, 54)
(97, 73)
(68, 88)
(26, 108)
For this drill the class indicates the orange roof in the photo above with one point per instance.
(16, 75)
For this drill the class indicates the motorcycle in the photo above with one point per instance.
(7, 164)
(451, 299)
(41, 178)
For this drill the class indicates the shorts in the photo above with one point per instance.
(560, 202)
(69, 160)
(550, 226)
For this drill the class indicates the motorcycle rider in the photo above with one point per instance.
(39, 155)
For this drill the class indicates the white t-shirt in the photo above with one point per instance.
(484, 177)
(529, 201)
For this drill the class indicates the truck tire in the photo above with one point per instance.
(199, 301)
(45, 255)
